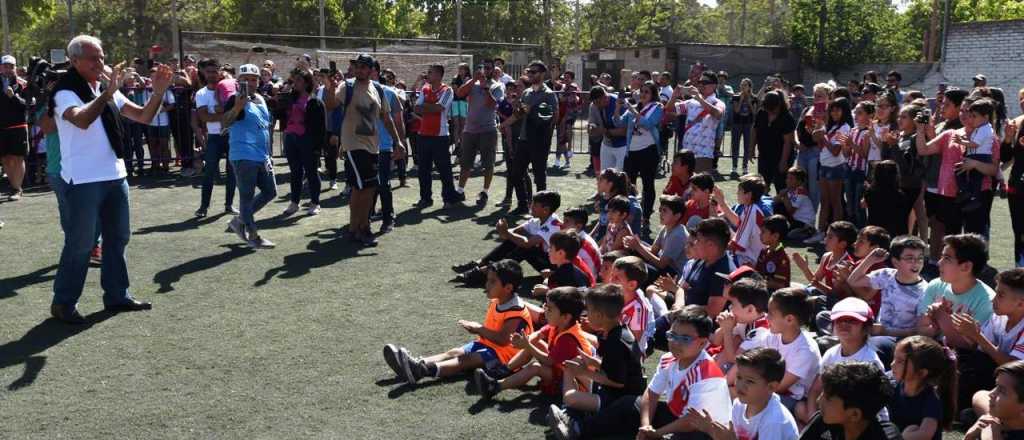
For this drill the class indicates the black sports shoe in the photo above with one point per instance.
(485, 384)
(481, 199)
(405, 362)
(460, 268)
(520, 209)
(424, 204)
(391, 357)
(472, 277)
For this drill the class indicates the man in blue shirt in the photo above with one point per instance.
(384, 159)
(248, 119)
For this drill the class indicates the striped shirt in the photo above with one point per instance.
(638, 317)
(699, 386)
(435, 124)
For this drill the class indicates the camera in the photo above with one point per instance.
(923, 117)
(243, 88)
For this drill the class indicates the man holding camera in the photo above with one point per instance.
(13, 125)
(533, 127)
(702, 113)
(481, 133)
(87, 108)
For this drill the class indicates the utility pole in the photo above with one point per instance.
(458, 27)
(175, 41)
(7, 29)
(547, 31)
(71, 21)
(323, 27)
(822, 21)
(743, 22)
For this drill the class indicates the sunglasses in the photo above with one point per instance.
(532, 71)
(679, 339)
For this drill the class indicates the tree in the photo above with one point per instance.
(856, 31)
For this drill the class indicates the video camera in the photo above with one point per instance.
(40, 72)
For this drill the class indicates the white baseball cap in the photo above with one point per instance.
(853, 308)
(8, 59)
(248, 69)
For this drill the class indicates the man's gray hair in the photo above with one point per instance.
(75, 47)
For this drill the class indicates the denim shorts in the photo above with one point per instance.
(833, 173)
(487, 354)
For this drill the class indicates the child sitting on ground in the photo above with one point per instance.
(687, 377)
(773, 263)
(565, 245)
(838, 240)
(668, 253)
(852, 395)
(900, 289)
(608, 265)
(682, 170)
(745, 325)
(745, 218)
(789, 310)
(794, 203)
(924, 372)
(1006, 421)
(543, 353)
(618, 227)
(610, 184)
(492, 350)
(590, 253)
(617, 371)
(698, 207)
(757, 412)
(868, 239)
(638, 314)
(851, 321)
(526, 242)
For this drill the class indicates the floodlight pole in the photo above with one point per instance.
(176, 41)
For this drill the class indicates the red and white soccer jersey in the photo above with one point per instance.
(638, 316)
(701, 386)
(590, 252)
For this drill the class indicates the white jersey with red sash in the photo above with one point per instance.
(698, 386)
(746, 244)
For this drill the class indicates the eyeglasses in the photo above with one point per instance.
(679, 339)
(532, 71)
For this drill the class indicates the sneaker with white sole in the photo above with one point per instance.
(815, 239)
(257, 242)
(228, 209)
(291, 209)
(559, 422)
(485, 384)
(333, 186)
(313, 209)
(236, 226)
(405, 361)
(391, 357)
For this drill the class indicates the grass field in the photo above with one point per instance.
(281, 343)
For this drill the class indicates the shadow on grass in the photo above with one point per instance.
(529, 399)
(42, 337)
(167, 277)
(12, 284)
(320, 254)
(404, 388)
(185, 225)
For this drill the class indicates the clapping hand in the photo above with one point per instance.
(470, 326)
(113, 79)
(519, 341)
(727, 321)
(966, 326)
(666, 283)
(161, 78)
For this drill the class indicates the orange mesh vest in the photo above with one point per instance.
(495, 320)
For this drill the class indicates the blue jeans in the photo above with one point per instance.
(387, 206)
(853, 186)
(216, 148)
(807, 159)
(741, 130)
(92, 207)
(252, 175)
(433, 152)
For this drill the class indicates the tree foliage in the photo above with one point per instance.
(855, 30)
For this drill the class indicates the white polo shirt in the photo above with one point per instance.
(85, 155)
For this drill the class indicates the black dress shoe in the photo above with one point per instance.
(65, 315)
(129, 306)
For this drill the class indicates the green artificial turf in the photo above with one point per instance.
(282, 343)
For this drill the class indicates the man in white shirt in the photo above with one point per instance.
(703, 111)
(91, 166)
(209, 110)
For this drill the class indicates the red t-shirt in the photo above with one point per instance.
(676, 187)
(694, 209)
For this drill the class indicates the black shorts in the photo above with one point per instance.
(14, 141)
(360, 169)
(944, 209)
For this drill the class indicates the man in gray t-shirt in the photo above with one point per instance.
(481, 132)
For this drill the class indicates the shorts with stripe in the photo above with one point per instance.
(360, 169)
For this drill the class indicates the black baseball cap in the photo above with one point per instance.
(364, 59)
(708, 78)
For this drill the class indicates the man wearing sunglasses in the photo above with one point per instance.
(532, 132)
(702, 113)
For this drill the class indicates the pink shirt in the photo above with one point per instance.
(225, 89)
(951, 154)
(297, 117)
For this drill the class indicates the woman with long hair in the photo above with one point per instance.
(460, 107)
(305, 129)
(642, 158)
(744, 107)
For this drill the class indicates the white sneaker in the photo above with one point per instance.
(815, 239)
(558, 163)
(313, 210)
(292, 209)
(333, 186)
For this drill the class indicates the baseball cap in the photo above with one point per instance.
(980, 77)
(736, 274)
(854, 308)
(364, 59)
(8, 59)
(248, 69)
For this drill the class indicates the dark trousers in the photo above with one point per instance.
(978, 220)
(217, 148)
(1016, 202)
(531, 153)
(387, 207)
(183, 144)
(768, 167)
(331, 160)
(644, 163)
(303, 161)
(622, 418)
(510, 185)
(433, 153)
(134, 145)
(535, 256)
